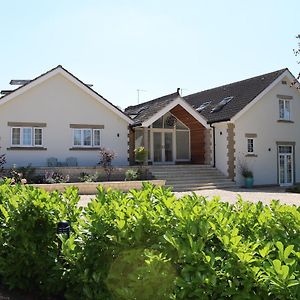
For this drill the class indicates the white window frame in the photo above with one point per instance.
(33, 136)
(21, 144)
(92, 145)
(253, 146)
(93, 138)
(286, 112)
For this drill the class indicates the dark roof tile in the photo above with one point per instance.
(142, 112)
(243, 92)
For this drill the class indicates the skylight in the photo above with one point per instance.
(221, 104)
(202, 106)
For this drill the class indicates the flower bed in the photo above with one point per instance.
(90, 188)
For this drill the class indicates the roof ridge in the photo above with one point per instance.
(280, 71)
(149, 101)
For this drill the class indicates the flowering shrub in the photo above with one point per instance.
(55, 177)
(106, 158)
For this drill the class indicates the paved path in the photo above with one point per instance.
(254, 195)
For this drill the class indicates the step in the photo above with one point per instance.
(191, 177)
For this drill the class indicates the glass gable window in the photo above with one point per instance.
(86, 137)
(284, 109)
(26, 136)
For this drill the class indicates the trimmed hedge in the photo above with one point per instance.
(148, 245)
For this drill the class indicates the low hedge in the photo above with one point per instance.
(147, 244)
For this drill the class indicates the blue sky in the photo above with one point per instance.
(121, 46)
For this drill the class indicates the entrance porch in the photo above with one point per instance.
(175, 137)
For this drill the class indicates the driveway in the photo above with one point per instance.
(231, 195)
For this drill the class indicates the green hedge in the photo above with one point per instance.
(148, 245)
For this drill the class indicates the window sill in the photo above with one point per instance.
(27, 148)
(251, 155)
(84, 149)
(285, 121)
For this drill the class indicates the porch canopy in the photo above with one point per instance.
(170, 129)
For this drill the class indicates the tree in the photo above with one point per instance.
(297, 52)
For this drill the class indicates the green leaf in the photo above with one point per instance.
(288, 250)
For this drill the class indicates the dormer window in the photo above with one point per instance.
(284, 109)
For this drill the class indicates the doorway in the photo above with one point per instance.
(285, 165)
(163, 148)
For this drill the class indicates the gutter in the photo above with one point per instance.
(214, 136)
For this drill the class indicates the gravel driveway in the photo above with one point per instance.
(254, 195)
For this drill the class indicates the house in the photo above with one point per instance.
(253, 121)
(57, 116)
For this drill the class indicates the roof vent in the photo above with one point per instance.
(221, 104)
(203, 106)
(283, 82)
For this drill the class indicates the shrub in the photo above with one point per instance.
(85, 177)
(141, 155)
(55, 177)
(28, 173)
(106, 158)
(131, 175)
(2, 163)
(29, 244)
(147, 244)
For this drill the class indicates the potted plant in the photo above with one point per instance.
(247, 174)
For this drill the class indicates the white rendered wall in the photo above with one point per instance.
(59, 103)
(262, 119)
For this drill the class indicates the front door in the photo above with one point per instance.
(286, 165)
(163, 147)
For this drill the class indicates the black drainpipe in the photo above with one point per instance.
(214, 143)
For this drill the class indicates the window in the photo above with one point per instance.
(86, 137)
(284, 109)
(250, 146)
(26, 136)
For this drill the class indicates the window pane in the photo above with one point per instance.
(287, 110)
(77, 137)
(180, 125)
(139, 138)
(158, 123)
(27, 137)
(285, 149)
(87, 137)
(16, 136)
(97, 137)
(169, 121)
(281, 109)
(250, 146)
(38, 136)
(182, 144)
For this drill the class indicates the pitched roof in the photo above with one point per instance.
(73, 78)
(243, 92)
(142, 112)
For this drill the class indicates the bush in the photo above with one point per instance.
(131, 175)
(148, 244)
(85, 177)
(29, 244)
(106, 158)
(2, 163)
(55, 177)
